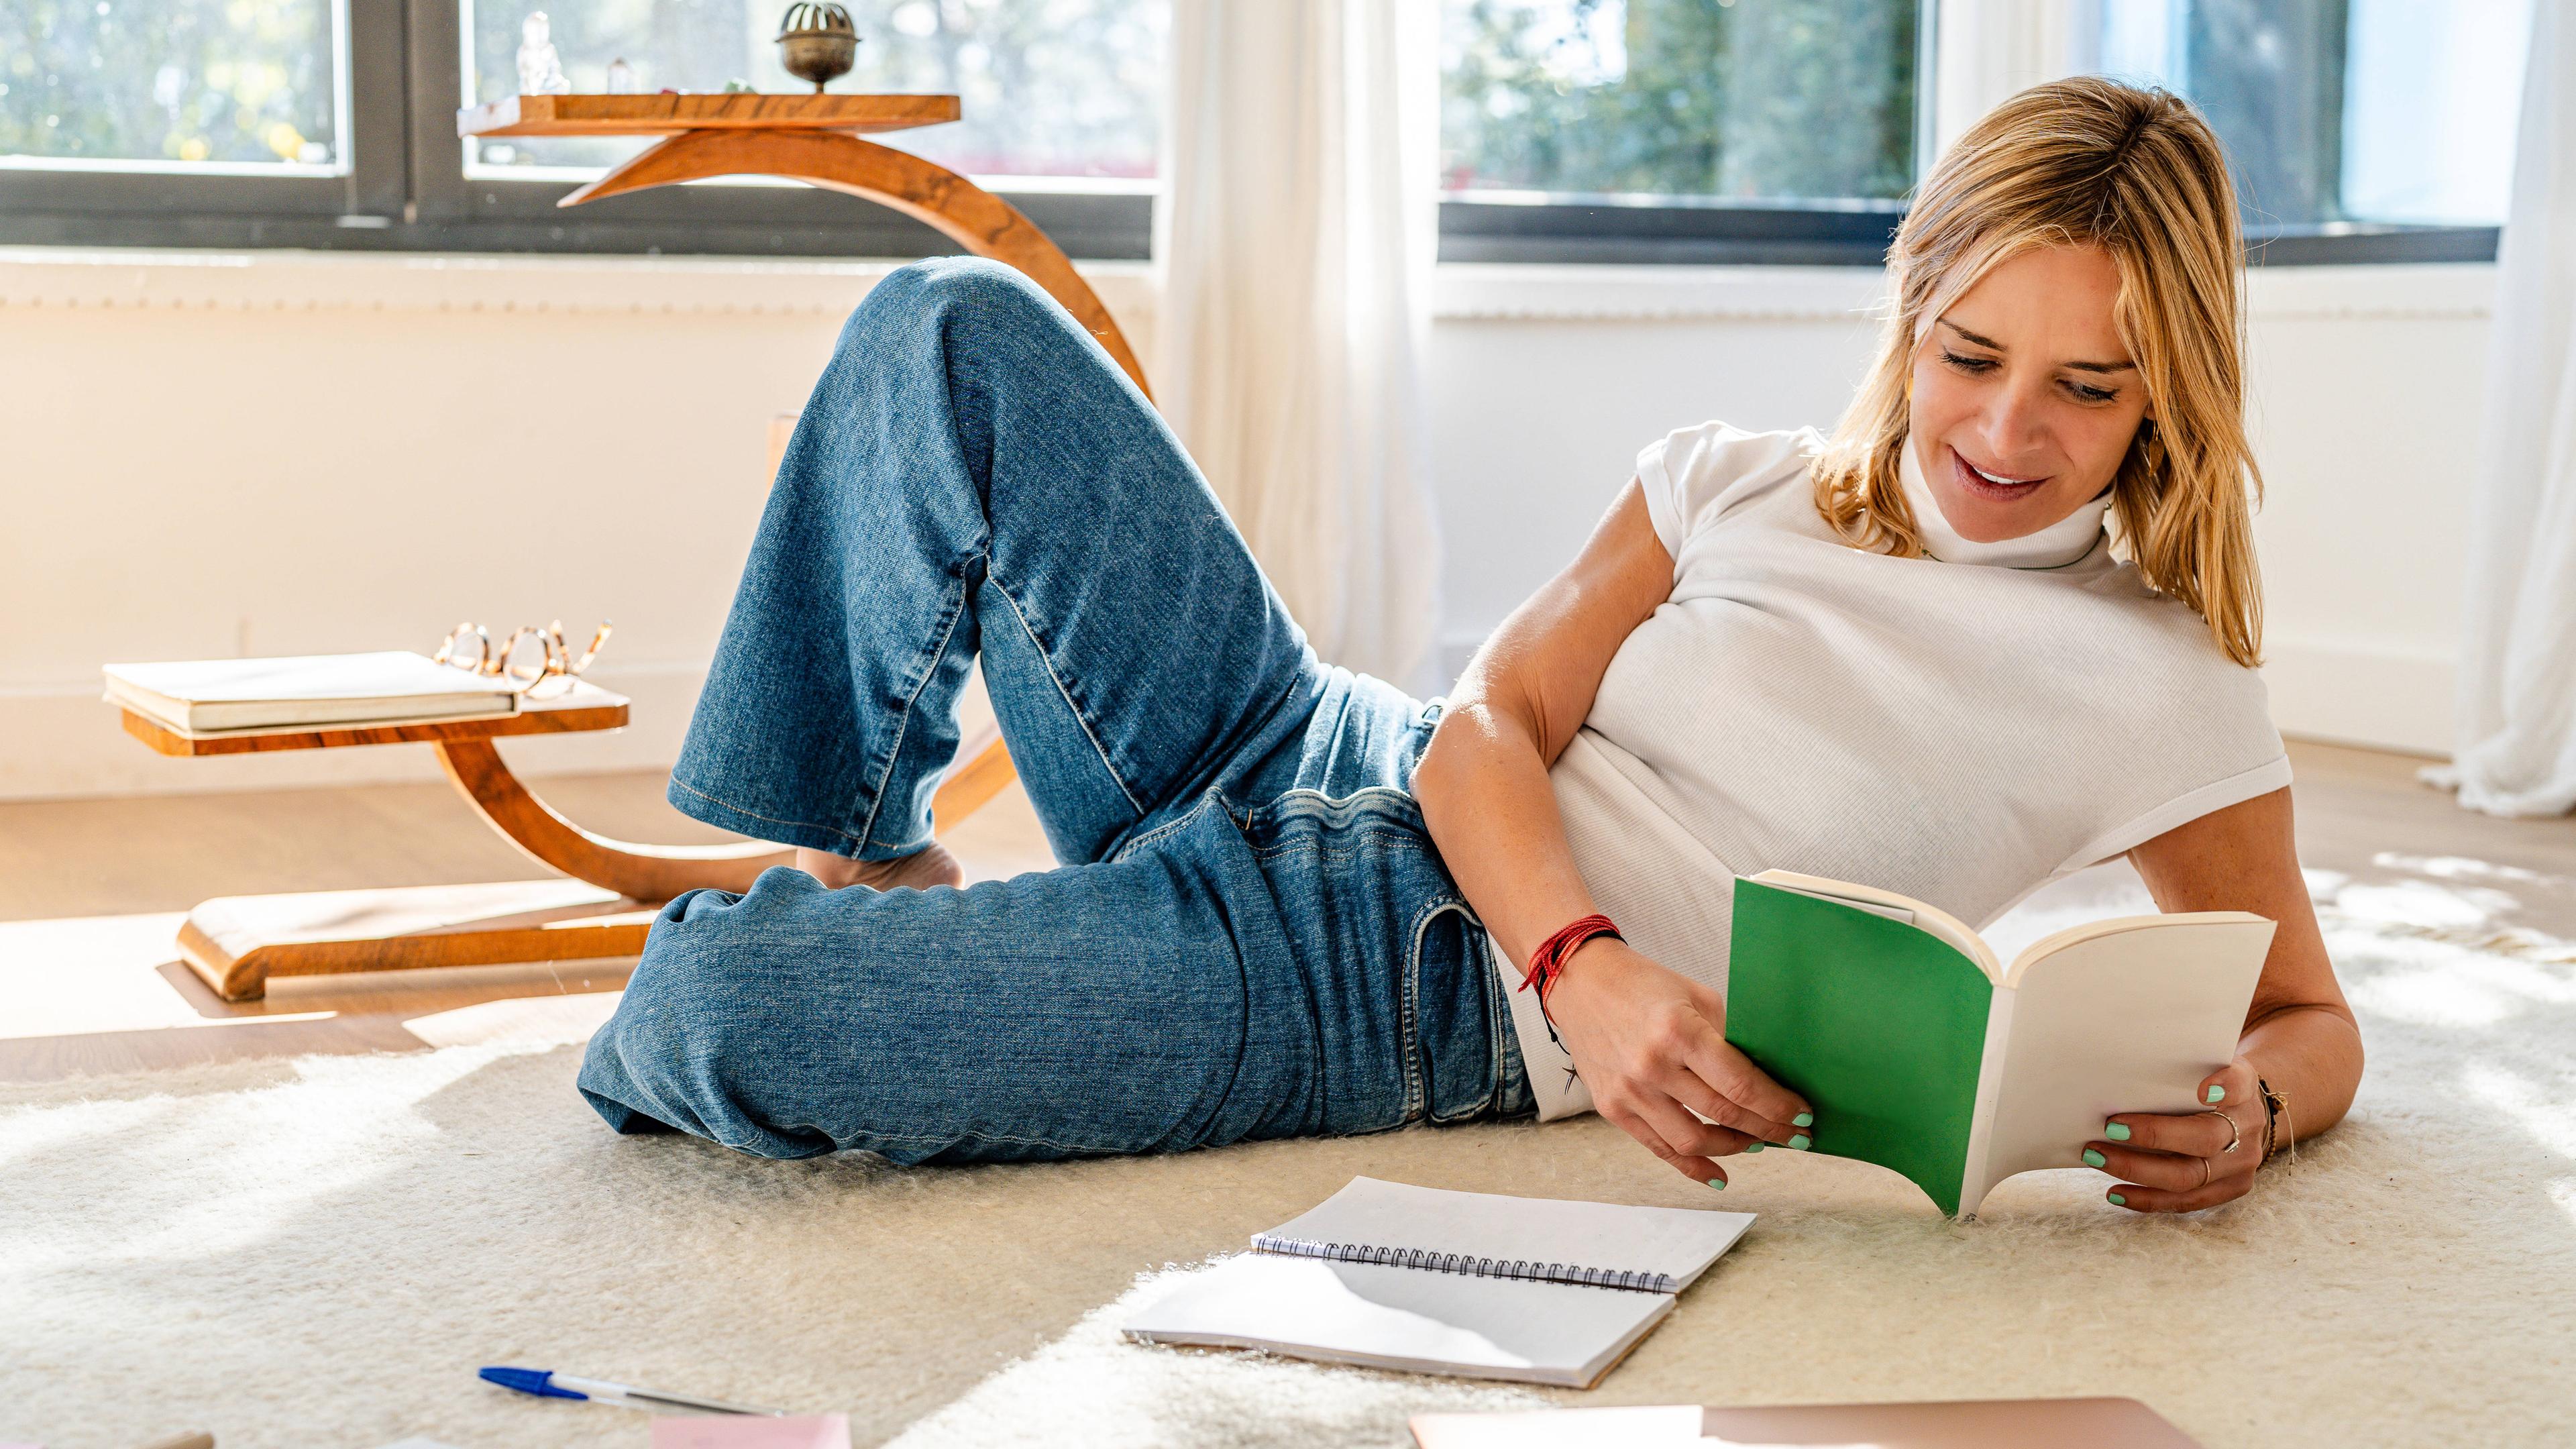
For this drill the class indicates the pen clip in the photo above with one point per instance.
(539, 1382)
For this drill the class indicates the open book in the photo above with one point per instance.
(1392, 1276)
(209, 696)
(1922, 1052)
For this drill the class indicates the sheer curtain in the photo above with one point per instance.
(2516, 711)
(1296, 241)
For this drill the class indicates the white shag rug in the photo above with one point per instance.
(318, 1254)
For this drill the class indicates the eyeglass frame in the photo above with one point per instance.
(490, 663)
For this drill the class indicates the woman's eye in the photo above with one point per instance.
(1968, 364)
(2085, 392)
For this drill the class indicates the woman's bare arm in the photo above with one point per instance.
(2299, 1035)
(1649, 1043)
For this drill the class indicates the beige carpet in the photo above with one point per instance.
(319, 1253)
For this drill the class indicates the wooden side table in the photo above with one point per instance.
(605, 905)
(236, 943)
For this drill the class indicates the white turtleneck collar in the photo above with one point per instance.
(2064, 542)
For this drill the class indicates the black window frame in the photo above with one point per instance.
(407, 191)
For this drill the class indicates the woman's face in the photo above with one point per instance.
(2025, 399)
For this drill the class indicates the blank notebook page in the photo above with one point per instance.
(1405, 1318)
(1678, 1242)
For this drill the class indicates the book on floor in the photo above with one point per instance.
(1392, 1276)
(1957, 1424)
(1922, 1052)
(210, 696)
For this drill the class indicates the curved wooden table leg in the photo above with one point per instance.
(655, 873)
(236, 943)
(965, 213)
(649, 873)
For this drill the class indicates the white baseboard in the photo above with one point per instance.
(2383, 695)
(61, 741)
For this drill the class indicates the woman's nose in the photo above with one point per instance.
(2014, 428)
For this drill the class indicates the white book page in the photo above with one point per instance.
(1677, 1242)
(1404, 1318)
(388, 674)
(2115, 1020)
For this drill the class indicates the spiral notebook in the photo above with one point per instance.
(1393, 1276)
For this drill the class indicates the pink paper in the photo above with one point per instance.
(751, 1431)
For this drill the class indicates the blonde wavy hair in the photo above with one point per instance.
(2136, 172)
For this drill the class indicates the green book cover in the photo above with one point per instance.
(1879, 1024)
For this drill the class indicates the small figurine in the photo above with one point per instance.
(621, 78)
(540, 69)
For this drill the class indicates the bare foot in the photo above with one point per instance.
(929, 866)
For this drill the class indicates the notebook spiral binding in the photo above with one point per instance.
(1473, 1267)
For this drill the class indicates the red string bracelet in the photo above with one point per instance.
(1548, 961)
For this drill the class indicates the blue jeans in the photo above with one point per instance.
(1253, 936)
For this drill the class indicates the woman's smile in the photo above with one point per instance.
(1991, 484)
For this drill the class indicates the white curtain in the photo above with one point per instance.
(1989, 49)
(2516, 715)
(1296, 241)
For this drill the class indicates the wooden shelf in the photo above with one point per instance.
(584, 707)
(668, 115)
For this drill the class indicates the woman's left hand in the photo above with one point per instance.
(2181, 1163)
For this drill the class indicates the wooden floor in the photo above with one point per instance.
(92, 890)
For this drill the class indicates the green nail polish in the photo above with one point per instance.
(2094, 1159)
(2217, 1095)
(2118, 1201)
(1808, 1119)
(1718, 1182)
(1798, 1143)
(2117, 1132)
(1756, 1147)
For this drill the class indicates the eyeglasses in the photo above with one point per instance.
(527, 658)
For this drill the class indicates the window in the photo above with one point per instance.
(1571, 130)
(331, 123)
(213, 85)
(2355, 128)
(1067, 89)
(1677, 130)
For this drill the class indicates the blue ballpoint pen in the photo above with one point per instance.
(549, 1385)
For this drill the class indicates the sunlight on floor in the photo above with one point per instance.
(103, 973)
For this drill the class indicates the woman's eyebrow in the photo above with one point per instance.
(1968, 336)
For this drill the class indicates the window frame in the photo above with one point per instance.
(406, 189)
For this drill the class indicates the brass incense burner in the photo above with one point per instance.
(817, 42)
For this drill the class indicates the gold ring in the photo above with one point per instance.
(2234, 1134)
(2204, 1172)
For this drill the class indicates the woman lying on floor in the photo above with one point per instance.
(1299, 902)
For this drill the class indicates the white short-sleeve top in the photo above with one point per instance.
(1960, 732)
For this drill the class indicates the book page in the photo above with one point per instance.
(2117, 1020)
(1678, 1243)
(1405, 1318)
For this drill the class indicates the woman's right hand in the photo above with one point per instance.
(1650, 1044)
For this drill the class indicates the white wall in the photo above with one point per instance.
(207, 455)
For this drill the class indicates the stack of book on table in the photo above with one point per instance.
(311, 691)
